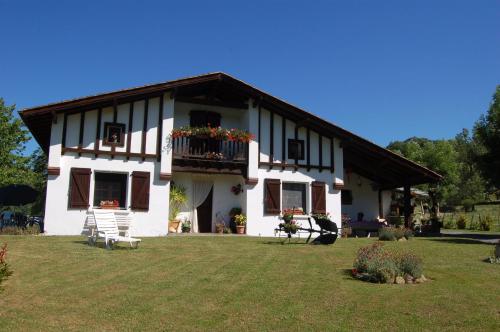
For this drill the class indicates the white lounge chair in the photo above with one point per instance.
(107, 228)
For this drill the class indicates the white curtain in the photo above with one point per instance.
(201, 189)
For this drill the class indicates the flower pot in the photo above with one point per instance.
(240, 229)
(186, 229)
(173, 226)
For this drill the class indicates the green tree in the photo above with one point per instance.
(438, 155)
(470, 181)
(487, 133)
(14, 166)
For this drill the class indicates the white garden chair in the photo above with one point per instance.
(107, 228)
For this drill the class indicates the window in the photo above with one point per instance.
(114, 134)
(110, 187)
(294, 196)
(346, 197)
(296, 149)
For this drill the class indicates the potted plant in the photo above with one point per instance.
(178, 199)
(287, 216)
(241, 221)
(219, 228)
(186, 226)
(233, 212)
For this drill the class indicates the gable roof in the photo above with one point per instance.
(360, 155)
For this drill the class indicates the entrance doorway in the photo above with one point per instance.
(204, 212)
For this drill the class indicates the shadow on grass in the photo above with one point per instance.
(100, 245)
(460, 240)
(285, 242)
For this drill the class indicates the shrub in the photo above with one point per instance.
(485, 223)
(409, 264)
(4, 267)
(14, 230)
(474, 224)
(449, 224)
(386, 234)
(399, 233)
(461, 222)
(468, 204)
(408, 233)
(374, 263)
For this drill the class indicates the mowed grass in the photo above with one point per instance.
(241, 283)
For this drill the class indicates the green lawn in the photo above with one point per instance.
(241, 283)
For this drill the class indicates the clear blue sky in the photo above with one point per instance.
(386, 70)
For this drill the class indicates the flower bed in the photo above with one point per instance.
(376, 264)
(218, 133)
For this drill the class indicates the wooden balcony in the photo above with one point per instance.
(208, 155)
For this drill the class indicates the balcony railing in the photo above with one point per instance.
(209, 149)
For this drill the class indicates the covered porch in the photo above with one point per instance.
(371, 174)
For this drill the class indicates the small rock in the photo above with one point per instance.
(399, 280)
(408, 279)
(402, 239)
(423, 278)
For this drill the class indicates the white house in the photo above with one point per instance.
(118, 146)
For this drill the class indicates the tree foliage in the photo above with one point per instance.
(438, 155)
(487, 133)
(14, 166)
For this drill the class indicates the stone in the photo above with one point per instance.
(408, 279)
(399, 280)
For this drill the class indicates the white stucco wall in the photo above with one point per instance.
(261, 224)
(365, 198)
(61, 220)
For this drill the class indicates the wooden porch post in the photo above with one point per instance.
(380, 205)
(407, 205)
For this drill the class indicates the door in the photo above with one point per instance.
(205, 214)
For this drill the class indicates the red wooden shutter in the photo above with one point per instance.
(79, 187)
(140, 191)
(318, 195)
(272, 196)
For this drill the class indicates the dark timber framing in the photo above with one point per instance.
(82, 127)
(320, 148)
(258, 134)
(283, 142)
(109, 153)
(359, 154)
(308, 147)
(144, 127)
(65, 124)
(130, 123)
(332, 163)
(98, 132)
(271, 139)
(160, 130)
(296, 136)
